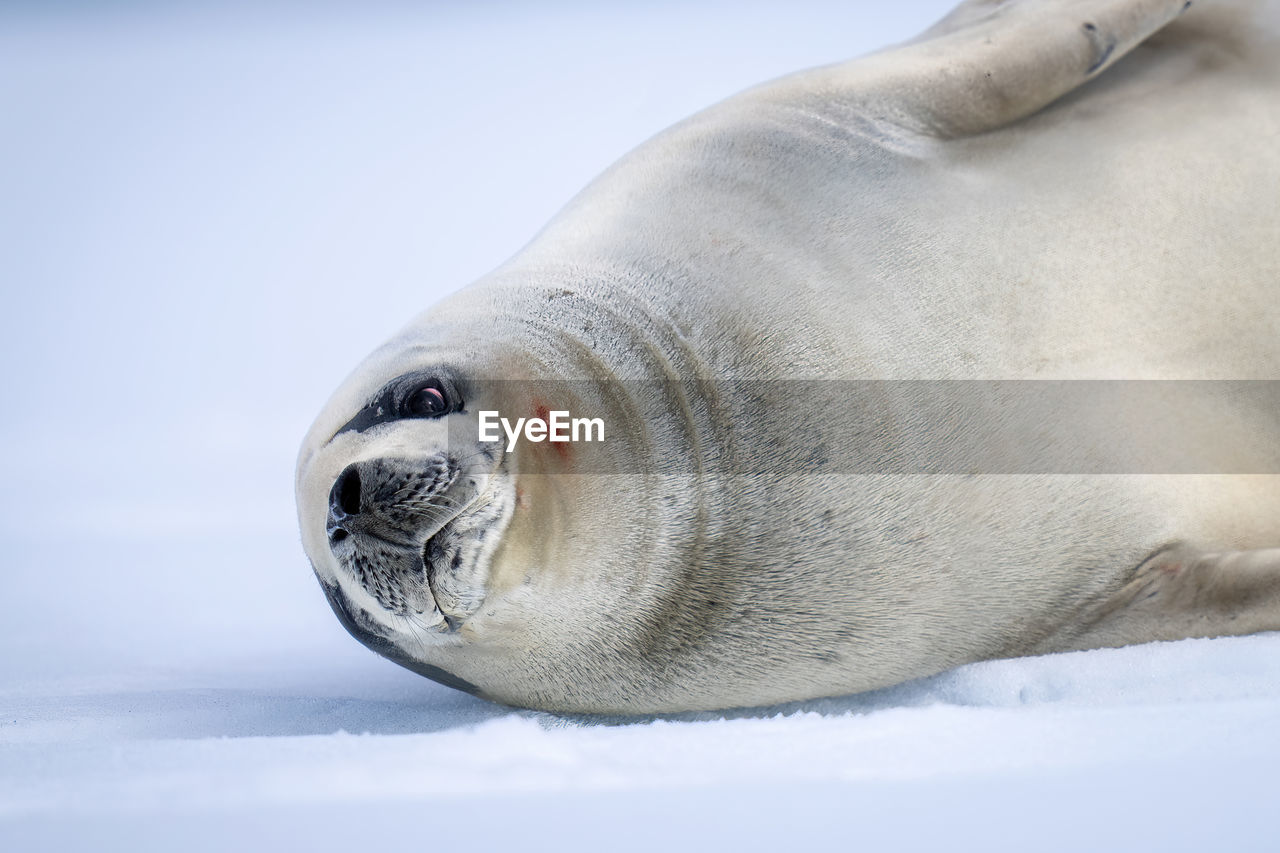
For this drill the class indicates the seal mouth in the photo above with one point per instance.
(456, 558)
(433, 560)
(418, 537)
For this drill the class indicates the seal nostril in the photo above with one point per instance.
(337, 535)
(345, 496)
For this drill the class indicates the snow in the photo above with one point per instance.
(1168, 746)
(209, 216)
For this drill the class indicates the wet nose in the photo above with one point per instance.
(344, 503)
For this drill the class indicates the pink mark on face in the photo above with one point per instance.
(542, 411)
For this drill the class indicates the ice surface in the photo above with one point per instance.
(1160, 747)
(209, 216)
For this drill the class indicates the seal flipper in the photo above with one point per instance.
(992, 62)
(1179, 592)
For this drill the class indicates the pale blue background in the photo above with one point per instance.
(208, 215)
(211, 213)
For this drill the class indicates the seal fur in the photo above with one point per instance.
(1032, 190)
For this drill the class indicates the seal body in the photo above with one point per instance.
(1031, 195)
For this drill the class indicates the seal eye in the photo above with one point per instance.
(426, 401)
(417, 395)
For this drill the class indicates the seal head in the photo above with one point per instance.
(474, 561)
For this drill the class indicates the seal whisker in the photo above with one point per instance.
(414, 631)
